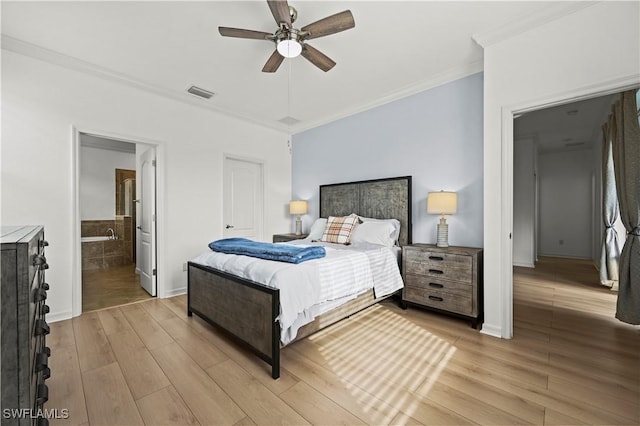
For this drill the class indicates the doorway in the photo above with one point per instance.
(557, 157)
(109, 204)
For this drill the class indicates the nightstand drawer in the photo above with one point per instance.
(438, 284)
(442, 265)
(439, 299)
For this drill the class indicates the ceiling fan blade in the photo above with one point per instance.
(330, 25)
(240, 33)
(280, 11)
(273, 62)
(317, 58)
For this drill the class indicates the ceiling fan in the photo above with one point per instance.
(291, 42)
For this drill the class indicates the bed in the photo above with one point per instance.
(249, 310)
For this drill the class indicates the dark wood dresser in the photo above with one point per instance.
(447, 279)
(25, 356)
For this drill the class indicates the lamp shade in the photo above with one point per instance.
(443, 202)
(298, 207)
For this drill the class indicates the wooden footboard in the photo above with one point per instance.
(241, 307)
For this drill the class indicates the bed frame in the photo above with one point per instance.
(249, 310)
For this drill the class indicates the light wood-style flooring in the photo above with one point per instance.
(570, 362)
(114, 286)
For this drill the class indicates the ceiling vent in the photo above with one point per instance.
(289, 121)
(201, 93)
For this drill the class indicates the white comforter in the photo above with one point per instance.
(315, 286)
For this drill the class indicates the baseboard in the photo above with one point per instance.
(565, 256)
(174, 292)
(58, 316)
(491, 330)
(524, 264)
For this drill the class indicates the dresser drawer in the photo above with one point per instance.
(439, 299)
(443, 265)
(437, 284)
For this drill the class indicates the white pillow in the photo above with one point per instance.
(375, 232)
(394, 222)
(317, 229)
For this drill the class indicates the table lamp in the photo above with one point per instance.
(442, 203)
(298, 207)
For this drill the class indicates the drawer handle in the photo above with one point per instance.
(42, 328)
(45, 286)
(46, 373)
(39, 259)
(44, 309)
(436, 285)
(436, 298)
(44, 243)
(436, 271)
(43, 394)
(42, 361)
(40, 295)
(436, 258)
(47, 351)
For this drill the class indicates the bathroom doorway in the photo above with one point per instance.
(108, 222)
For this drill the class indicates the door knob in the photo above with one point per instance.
(229, 226)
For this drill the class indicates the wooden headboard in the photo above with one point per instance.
(388, 198)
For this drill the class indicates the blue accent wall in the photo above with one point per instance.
(435, 136)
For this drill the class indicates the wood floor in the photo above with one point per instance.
(570, 362)
(114, 286)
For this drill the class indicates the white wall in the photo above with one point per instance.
(434, 136)
(41, 102)
(594, 49)
(566, 203)
(97, 181)
(524, 230)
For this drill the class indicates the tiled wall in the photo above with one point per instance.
(105, 254)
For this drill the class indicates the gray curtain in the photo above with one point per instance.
(610, 252)
(626, 161)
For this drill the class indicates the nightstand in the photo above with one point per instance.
(283, 238)
(446, 279)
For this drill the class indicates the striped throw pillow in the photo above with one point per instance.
(338, 229)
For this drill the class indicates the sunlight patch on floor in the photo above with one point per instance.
(363, 359)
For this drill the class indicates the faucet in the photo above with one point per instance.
(112, 233)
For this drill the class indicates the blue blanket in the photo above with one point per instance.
(279, 252)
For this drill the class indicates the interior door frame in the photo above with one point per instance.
(506, 224)
(76, 248)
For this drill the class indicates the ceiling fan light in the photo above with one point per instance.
(289, 48)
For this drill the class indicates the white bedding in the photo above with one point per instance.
(313, 287)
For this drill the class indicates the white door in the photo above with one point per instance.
(147, 221)
(242, 198)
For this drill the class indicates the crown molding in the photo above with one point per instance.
(37, 52)
(46, 55)
(533, 20)
(445, 77)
